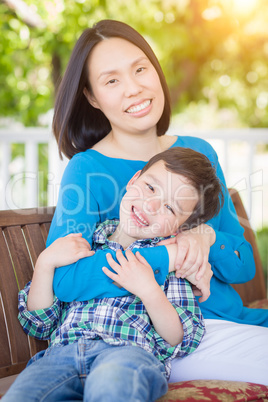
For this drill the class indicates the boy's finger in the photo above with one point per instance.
(74, 235)
(120, 256)
(110, 274)
(140, 258)
(130, 256)
(85, 253)
(113, 264)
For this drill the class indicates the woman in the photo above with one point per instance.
(111, 115)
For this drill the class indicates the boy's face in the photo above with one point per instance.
(156, 203)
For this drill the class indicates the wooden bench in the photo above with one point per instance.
(22, 238)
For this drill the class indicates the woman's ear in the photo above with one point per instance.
(133, 179)
(90, 98)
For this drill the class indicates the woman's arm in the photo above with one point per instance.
(231, 256)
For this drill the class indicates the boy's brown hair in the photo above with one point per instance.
(197, 168)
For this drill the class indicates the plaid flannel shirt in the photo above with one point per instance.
(118, 320)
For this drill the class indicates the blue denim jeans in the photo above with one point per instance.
(90, 370)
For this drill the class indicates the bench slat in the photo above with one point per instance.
(35, 240)
(26, 216)
(4, 344)
(9, 291)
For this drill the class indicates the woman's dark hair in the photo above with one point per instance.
(77, 125)
(197, 168)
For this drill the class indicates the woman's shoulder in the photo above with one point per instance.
(83, 164)
(197, 144)
(90, 159)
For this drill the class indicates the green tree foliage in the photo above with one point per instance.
(212, 51)
(262, 241)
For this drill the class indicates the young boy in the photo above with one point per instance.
(93, 351)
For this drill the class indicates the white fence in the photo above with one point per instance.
(19, 184)
(241, 153)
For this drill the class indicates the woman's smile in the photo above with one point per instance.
(140, 107)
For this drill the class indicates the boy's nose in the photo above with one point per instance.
(152, 205)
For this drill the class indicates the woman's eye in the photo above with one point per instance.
(113, 81)
(150, 187)
(169, 208)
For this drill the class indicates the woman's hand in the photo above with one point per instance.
(132, 273)
(192, 250)
(201, 287)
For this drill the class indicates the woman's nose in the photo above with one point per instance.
(132, 87)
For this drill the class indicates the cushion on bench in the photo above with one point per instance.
(214, 390)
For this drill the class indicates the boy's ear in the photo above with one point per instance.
(91, 99)
(133, 179)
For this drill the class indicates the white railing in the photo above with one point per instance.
(19, 189)
(244, 162)
(243, 156)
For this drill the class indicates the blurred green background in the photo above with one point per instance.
(214, 53)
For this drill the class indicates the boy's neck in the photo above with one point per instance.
(119, 236)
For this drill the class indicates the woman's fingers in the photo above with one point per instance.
(192, 263)
(171, 240)
(202, 269)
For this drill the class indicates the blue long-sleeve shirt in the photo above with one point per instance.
(91, 190)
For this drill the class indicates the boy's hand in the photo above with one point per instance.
(133, 273)
(66, 250)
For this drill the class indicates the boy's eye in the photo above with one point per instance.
(169, 208)
(150, 187)
(140, 69)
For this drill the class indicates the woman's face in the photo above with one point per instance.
(125, 86)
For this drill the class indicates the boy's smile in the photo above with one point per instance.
(138, 217)
(156, 204)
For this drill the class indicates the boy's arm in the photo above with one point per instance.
(136, 275)
(38, 323)
(63, 251)
(163, 315)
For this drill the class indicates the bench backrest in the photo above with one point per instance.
(256, 288)
(23, 235)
